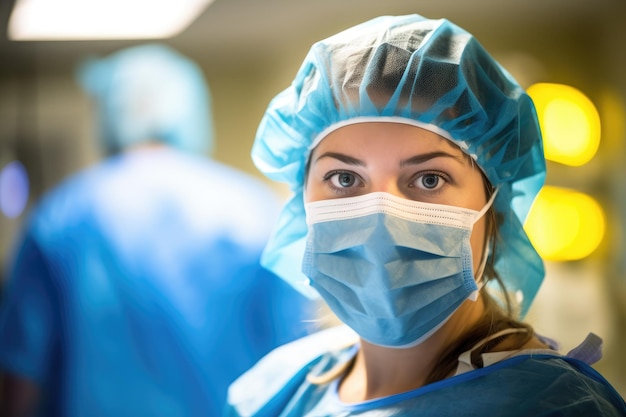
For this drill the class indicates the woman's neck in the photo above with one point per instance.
(379, 371)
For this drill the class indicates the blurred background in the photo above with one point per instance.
(569, 54)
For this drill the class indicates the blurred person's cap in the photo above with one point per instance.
(149, 93)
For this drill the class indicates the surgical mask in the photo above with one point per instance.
(394, 270)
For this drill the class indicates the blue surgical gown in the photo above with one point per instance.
(525, 385)
(136, 289)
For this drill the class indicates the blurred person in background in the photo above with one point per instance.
(135, 289)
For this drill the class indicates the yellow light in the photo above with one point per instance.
(565, 225)
(569, 122)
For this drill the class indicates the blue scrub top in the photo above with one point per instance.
(526, 385)
(136, 289)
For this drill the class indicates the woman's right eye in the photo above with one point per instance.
(343, 179)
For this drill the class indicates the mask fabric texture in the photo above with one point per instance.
(394, 270)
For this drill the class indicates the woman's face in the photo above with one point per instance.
(398, 159)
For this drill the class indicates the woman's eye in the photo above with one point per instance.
(430, 181)
(343, 179)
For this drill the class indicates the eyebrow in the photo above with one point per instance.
(341, 157)
(415, 160)
(418, 159)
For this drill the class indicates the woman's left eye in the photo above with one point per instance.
(430, 181)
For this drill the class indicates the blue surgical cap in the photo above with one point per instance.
(149, 93)
(427, 73)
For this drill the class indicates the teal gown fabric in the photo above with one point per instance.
(526, 385)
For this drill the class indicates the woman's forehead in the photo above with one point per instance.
(387, 135)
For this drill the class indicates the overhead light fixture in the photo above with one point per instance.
(48, 20)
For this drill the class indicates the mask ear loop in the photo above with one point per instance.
(480, 282)
(482, 212)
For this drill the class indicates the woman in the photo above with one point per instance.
(413, 158)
